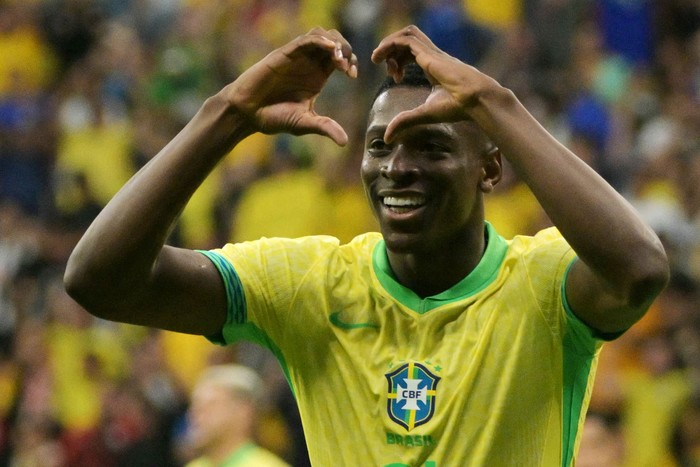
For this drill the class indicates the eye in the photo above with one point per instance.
(433, 149)
(377, 146)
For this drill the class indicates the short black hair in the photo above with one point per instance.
(413, 77)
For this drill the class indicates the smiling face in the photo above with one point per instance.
(426, 186)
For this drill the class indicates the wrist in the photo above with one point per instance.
(492, 96)
(227, 115)
(494, 105)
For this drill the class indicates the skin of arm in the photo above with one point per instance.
(121, 269)
(621, 264)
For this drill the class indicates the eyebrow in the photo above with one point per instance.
(432, 132)
(376, 129)
(425, 131)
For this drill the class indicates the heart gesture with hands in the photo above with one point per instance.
(278, 93)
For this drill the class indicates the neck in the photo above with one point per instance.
(433, 271)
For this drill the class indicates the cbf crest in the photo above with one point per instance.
(411, 396)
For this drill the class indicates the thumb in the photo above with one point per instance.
(416, 116)
(320, 125)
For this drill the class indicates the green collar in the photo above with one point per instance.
(483, 274)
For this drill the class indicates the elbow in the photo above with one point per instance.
(76, 281)
(74, 278)
(652, 274)
(88, 288)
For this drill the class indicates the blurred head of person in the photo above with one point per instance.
(223, 409)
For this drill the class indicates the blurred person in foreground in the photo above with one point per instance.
(223, 414)
(602, 442)
(435, 342)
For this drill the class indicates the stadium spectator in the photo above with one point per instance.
(224, 411)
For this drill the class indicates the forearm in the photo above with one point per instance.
(121, 247)
(601, 226)
(121, 269)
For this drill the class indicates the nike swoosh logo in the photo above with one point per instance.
(336, 321)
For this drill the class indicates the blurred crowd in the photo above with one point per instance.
(91, 89)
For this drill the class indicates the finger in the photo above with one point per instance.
(308, 44)
(393, 70)
(331, 40)
(328, 50)
(342, 56)
(342, 62)
(352, 72)
(403, 49)
(326, 37)
(395, 65)
(341, 42)
(407, 49)
(342, 53)
(416, 116)
(320, 125)
(413, 30)
(325, 51)
(402, 39)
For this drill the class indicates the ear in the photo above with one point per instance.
(491, 171)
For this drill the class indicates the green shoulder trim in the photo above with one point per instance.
(483, 275)
(579, 350)
(237, 327)
(235, 297)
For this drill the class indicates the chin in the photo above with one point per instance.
(404, 243)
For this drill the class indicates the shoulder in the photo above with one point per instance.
(317, 249)
(545, 238)
(547, 246)
(542, 258)
(313, 244)
(278, 247)
(362, 244)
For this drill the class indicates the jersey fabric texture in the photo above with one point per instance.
(495, 371)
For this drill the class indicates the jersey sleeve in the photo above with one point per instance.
(549, 259)
(262, 279)
(555, 251)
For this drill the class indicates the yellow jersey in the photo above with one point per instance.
(495, 371)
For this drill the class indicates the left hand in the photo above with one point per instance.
(457, 86)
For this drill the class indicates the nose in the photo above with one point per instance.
(399, 165)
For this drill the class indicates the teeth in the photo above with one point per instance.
(405, 201)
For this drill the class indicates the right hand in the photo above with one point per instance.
(277, 94)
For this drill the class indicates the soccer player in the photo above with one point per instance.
(433, 343)
(223, 413)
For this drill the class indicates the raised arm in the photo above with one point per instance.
(121, 270)
(622, 265)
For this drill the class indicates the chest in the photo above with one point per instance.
(371, 341)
